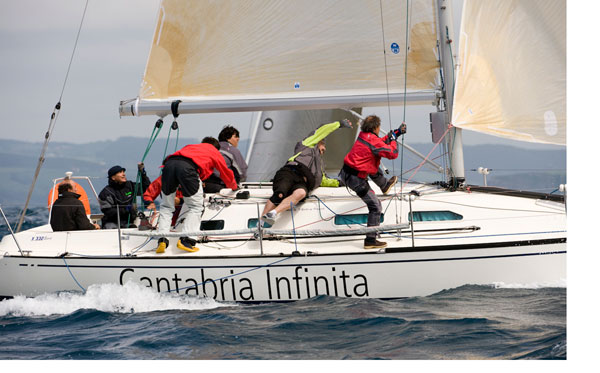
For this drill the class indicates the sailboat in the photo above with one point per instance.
(299, 64)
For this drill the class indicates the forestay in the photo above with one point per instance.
(511, 77)
(231, 55)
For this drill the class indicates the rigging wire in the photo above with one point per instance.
(404, 107)
(406, 48)
(387, 85)
(52, 124)
(427, 157)
(73, 53)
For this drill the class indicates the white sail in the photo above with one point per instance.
(231, 55)
(511, 77)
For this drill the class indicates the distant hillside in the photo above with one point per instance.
(18, 160)
(516, 168)
(513, 167)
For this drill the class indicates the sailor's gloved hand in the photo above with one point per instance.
(400, 130)
(151, 206)
(392, 135)
(141, 167)
(345, 123)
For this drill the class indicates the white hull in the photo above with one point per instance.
(499, 239)
(368, 275)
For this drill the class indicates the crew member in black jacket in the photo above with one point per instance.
(68, 213)
(120, 191)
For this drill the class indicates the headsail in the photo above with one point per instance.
(511, 80)
(231, 55)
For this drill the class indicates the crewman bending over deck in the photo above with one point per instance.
(186, 168)
(302, 173)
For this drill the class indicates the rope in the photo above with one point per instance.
(174, 127)
(155, 131)
(138, 180)
(293, 225)
(427, 157)
(410, 169)
(232, 275)
(72, 276)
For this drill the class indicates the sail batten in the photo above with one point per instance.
(207, 51)
(511, 80)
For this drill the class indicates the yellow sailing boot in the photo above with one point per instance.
(187, 244)
(163, 243)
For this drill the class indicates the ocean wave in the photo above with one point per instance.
(129, 298)
(558, 284)
(34, 216)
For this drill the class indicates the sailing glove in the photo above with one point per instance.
(345, 123)
(400, 130)
(393, 135)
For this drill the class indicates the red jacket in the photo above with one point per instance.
(153, 191)
(207, 158)
(367, 151)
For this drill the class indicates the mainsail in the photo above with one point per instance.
(511, 77)
(231, 55)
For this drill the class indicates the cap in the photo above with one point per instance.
(115, 170)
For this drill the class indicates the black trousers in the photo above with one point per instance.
(180, 171)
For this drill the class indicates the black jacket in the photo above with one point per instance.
(120, 194)
(68, 214)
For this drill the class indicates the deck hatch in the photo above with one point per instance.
(435, 216)
(353, 219)
(252, 223)
(212, 225)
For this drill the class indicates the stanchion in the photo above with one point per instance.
(260, 233)
(11, 231)
(412, 219)
(119, 230)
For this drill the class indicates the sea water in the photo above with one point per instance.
(496, 321)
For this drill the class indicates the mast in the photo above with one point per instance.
(448, 55)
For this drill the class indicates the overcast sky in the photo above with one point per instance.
(36, 40)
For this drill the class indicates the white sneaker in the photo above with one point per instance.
(270, 217)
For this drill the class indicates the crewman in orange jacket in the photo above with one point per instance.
(152, 194)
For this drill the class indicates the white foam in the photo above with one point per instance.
(129, 298)
(558, 284)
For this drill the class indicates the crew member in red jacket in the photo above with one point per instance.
(362, 161)
(152, 193)
(186, 168)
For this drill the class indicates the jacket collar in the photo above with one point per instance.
(115, 184)
(70, 194)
